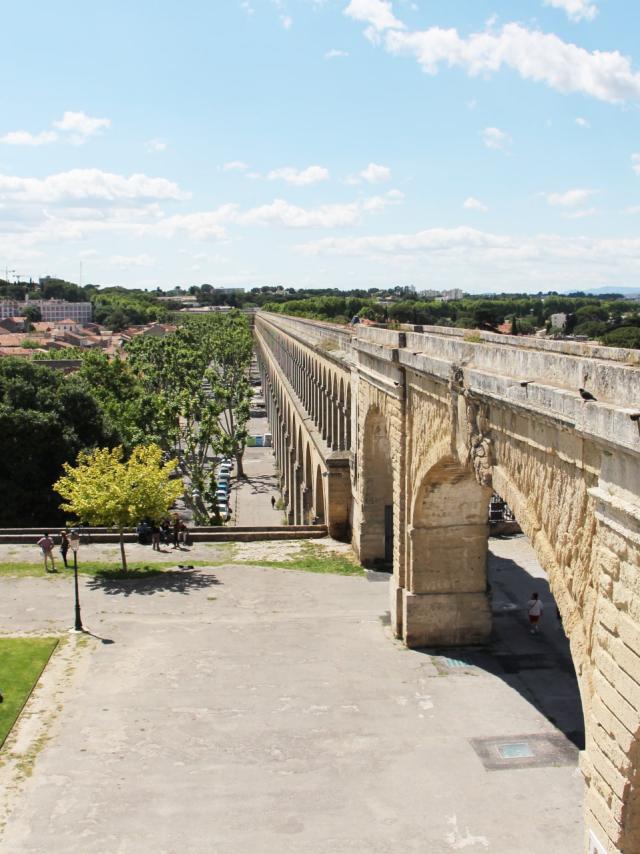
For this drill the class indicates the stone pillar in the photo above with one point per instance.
(297, 498)
(307, 499)
(446, 603)
(292, 491)
(611, 760)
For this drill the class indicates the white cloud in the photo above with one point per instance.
(473, 204)
(635, 162)
(496, 139)
(541, 57)
(480, 256)
(580, 214)
(281, 212)
(377, 13)
(156, 145)
(577, 10)
(375, 204)
(375, 173)
(569, 199)
(286, 21)
(80, 126)
(583, 123)
(235, 166)
(299, 177)
(334, 53)
(87, 185)
(23, 137)
(75, 128)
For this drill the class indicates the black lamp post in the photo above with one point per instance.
(74, 544)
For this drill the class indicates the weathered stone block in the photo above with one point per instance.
(445, 619)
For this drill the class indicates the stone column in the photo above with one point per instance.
(446, 601)
(297, 494)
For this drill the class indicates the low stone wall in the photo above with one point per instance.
(221, 534)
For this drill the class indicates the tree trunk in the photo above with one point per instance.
(239, 464)
(122, 552)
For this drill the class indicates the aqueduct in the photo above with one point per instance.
(396, 440)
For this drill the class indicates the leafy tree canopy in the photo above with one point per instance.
(103, 488)
(45, 420)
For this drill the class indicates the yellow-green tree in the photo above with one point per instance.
(105, 489)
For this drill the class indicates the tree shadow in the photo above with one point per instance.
(163, 581)
(260, 484)
(539, 667)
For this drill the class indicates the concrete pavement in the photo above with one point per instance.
(251, 497)
(242, 709)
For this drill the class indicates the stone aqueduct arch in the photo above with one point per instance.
(435, 423)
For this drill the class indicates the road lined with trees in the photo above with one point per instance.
(187, 392)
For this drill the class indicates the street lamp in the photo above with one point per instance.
(74, 544)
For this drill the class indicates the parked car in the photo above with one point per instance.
(221, 494)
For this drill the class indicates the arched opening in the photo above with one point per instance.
(298, 474)
(307, 492)
(376, 534)
(448, 559)
(319, 498)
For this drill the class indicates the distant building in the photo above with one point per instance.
(558, 320)
(454, 293)
(50, 309)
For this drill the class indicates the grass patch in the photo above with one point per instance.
(22, 660)
(314, 559)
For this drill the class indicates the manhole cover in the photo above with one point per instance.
(525, 751)
(455, 662)
(516, 750)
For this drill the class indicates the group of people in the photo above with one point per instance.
(47, 546)
(170, 530)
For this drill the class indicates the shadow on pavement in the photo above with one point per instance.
(260, 484)
(172, 581)
(538, 667)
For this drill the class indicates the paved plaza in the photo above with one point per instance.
(246, 709)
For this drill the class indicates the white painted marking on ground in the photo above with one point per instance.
(457, 841)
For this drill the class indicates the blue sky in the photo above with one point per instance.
(315, 143)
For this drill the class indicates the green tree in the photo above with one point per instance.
(33, 315)
(44, 422)
(623, 336)
(229, 348)
(126, 404)
(197, 381)
(105, 489)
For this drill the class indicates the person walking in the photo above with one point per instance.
(273, 502)
(535, 608)
(46, 545)
(64, 547)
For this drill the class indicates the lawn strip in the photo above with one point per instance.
(22, 661)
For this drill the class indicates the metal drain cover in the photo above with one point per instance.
(515, 750)
(525, 751)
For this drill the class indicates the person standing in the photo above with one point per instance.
(175, 526)
(534, 607)
(64, 547)
(155, 536)
(46, 545)
(273, 502)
